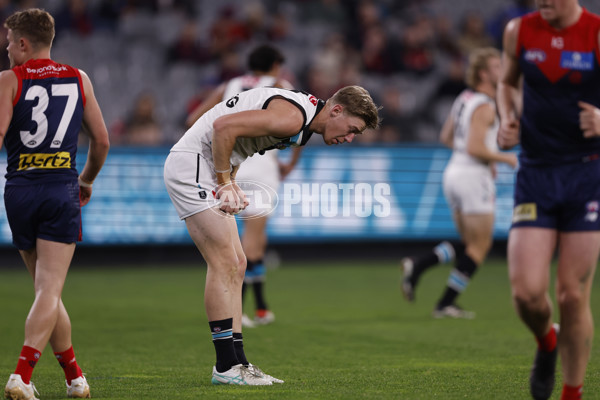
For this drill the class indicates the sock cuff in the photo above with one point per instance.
(444, 252)
(221, 329)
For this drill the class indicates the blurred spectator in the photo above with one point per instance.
(328, 12)
(473, 34)
(375, 52)
(363, 16)
(188, 47)
(108, 13)
(230, 66)
(415, 50)
(501, 18)
(445, 35)
(140, 127)
(227, 32)
(280, 28)
(396, 124)
(6, 9)
(74, 17)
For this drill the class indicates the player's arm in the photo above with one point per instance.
(482, 120)
(286, 168)
(93, 125)
(281, 119)
(8, 89)
(589, 115)
(509, 88)
(447, 133)
(214, 98)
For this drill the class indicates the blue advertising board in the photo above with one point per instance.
(346, 193)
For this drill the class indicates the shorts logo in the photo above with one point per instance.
(525, 212)
(61, 159)
(592, 211)
(202, 194)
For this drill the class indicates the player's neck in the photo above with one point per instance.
(567, 20)
(39, 55)
(487, 89)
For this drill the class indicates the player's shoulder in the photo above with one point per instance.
(8, 79)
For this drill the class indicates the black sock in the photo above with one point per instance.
(458, 280)
(261, 304)
(222, 334)
(238, 344)
(442, 253)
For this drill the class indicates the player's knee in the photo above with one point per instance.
(570, 299)
(528, 299)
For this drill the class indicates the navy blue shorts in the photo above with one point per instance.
(49, 211)
(565, 198)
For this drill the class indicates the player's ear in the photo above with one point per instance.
(337, 110)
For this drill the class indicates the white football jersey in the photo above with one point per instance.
(462, 112)
(246, 82)
(198, 139)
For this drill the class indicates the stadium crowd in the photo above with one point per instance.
(154, 61)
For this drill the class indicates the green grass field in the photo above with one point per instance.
(343, 331)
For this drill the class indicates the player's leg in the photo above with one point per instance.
(476, 232)
(254, 242)
(414, 266)
(578, 257)
(215, 235)
(530, 252)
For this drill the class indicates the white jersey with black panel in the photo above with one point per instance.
(198, 139)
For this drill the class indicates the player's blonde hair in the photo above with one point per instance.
(478, 61)
(358, 102)
(34, 24)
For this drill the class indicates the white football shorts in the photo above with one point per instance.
(190, 181)
(469, 189)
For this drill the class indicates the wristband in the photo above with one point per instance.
(83, 183)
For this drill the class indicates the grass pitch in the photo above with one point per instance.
(343, 331)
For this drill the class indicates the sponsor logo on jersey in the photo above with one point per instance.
(535, 56)
(577, 60)
(232, 101)
(525, 212)
(62, 159)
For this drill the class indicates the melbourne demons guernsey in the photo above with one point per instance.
(198, 139)
(41, 140)
(462, 113)
(560, 68)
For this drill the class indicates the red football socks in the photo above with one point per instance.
(571, 392)
(67, 361)
(548, 342)
(27, 360)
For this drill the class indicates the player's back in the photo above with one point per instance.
(462, 114)
(559, 68)
(246, 82)
(41, 140)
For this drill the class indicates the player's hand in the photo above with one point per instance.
(512, 160)
(231, 203)
(85, 193)
(589, 119)
(241, 195)
(508, 134)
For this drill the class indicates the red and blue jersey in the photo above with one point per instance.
(41, 140)
(560, 68)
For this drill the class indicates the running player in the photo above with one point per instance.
(551, 66)
(43, 106)
(470, 130)
(200, 178)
